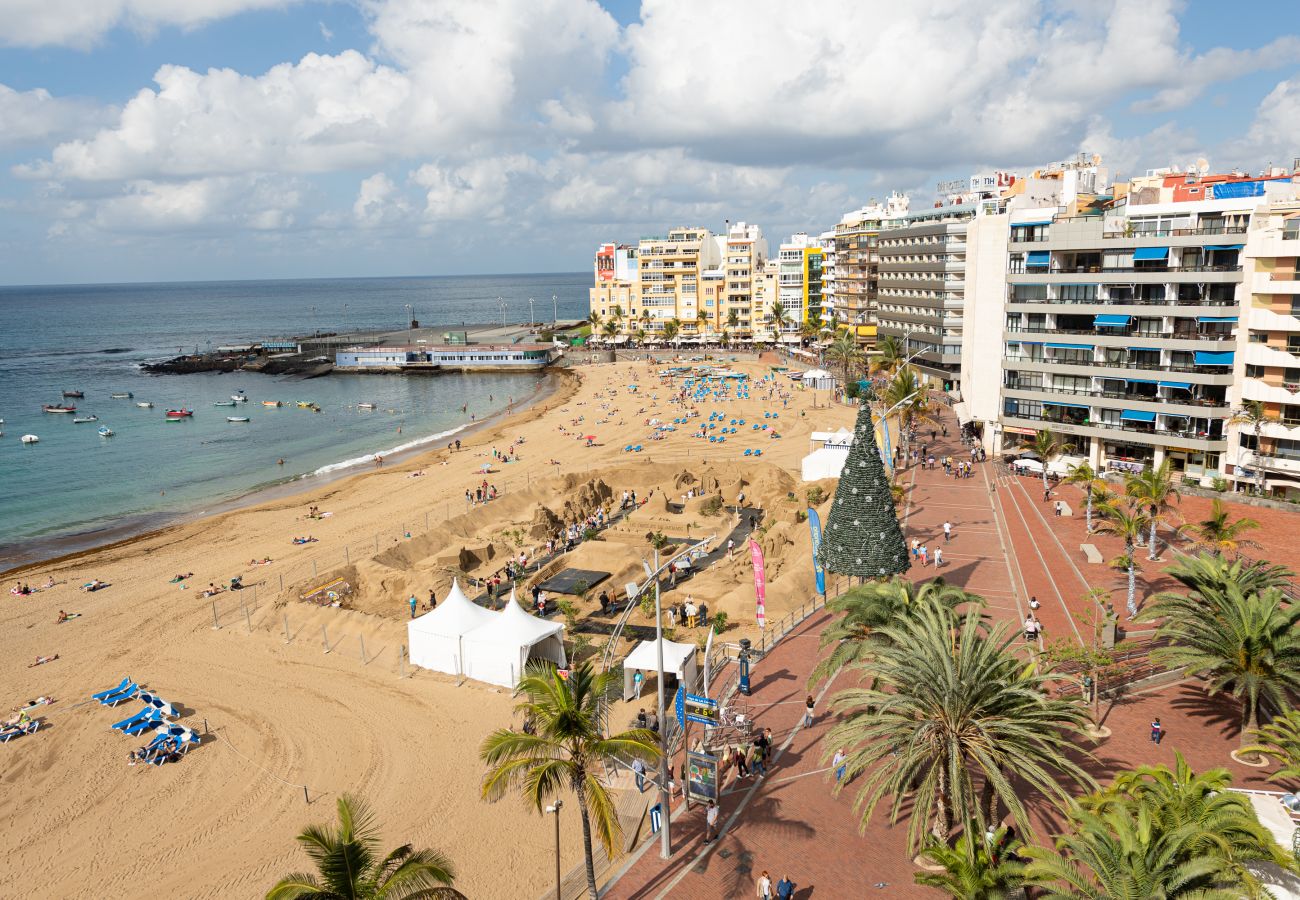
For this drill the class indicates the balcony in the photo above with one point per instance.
(1224, 372)
(1131, 301)
(1179, 399)
(1126, 333)
(1189, 438)
(1177, 232)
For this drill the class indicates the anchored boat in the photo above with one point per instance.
(365, 406)
(181, 413)
(29, 439)
(236, 418)
(82, 419)
(123, 395)
(49, 408)
(224, 403)
(145, 404)
(239, 397)
(76, 394)
(105, 431)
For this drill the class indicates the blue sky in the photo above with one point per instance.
(269, 138)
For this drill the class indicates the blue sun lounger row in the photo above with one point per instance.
(13, 731)
(123, 692)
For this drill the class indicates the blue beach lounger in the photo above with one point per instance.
(30, 727)
(132, 719)
(121, 696)
(126, 683)
(150, 721)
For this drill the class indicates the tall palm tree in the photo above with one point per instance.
(1048, 448)
(349, 867)
(972, 870)
(1086, 477)
(610, 328)
(701, 319)
(955, 707)
(733, 322)
(845, 352)
(1254, 414)
(1244, 642)
(809, 330)
(1154, 488)
(1127, 522)
(640, 335)
(779, 316)
(1222, 534)
(890, 352)
(645, 319)
(1125, 853)
(569, 748)
(593, 317)
(866, 608)
(672, 328)
(901, 387)
(616, 313)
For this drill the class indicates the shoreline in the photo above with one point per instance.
(561, 383)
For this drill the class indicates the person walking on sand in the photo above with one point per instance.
(413, 602)
(711, 822)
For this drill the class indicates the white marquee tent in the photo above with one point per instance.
(435, 638)
(819, 379)
(498, 651)
(679, 659)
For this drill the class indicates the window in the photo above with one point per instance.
(1259, 337)
(1077, 293)
(1254, 371)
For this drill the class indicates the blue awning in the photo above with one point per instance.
(1144, 349)
(1030, 224)
(1178, 385)
(1071, 346)
(1151, 253)
(1033, 343)
(1110, 321)
(1137, 415)
(1226, 247)
(1038, 258)
(1139, 381)
(1216, 318)
(1058, 403)
(1214, 358)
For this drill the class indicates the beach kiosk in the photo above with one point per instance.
(498, 651)
(679, 660)
(818, 380)
(436, 638)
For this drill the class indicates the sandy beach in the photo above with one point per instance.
(285, 713)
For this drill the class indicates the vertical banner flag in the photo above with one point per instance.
(815, 526)
(760, 581)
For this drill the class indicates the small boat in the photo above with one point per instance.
(59, 409)
(77, 394)
(239, 397)
(181, 413)
(272, 403)
(365, 406)
(236, 418)
(105, 431)
(29, 439)
(224, 403)
(145, 404)
(124, 395)
(79, 420)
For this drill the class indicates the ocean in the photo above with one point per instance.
(75, 489)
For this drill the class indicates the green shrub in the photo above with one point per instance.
(712, 506)
(647, 604)
(816, 495)
(1220, 484)
(852, 389)
(719, 622)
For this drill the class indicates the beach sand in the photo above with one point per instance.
(80, 823)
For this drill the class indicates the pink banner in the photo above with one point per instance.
(760, 581)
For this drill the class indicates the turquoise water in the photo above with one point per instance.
(75, 488)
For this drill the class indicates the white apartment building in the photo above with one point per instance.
(830, 277)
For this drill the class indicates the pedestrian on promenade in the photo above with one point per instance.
(785, 888)
(808, 712)
(1033, 603)
(839, 765)
(938, 557)
(731, 547)
(764, 887)
(1157, 731)
(638, 769)
(924, 553)
(738, 760)
(947, 531)
(1047, 494)
(1033, 628)
(1058, 508)
(916, 548)
(710, 822)
(756, 765)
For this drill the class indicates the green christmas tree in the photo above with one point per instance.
(862, 535)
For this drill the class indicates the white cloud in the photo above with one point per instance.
(379, 202)
(81, 23)
(476, 191)
(325, 31)
(31, 117)
(1274, 133)
(244, 203)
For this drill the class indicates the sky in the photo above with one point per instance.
(164, 140)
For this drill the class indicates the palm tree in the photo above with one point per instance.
(1153, 488)
(890, 352)
(844, 350)
(1254, 414)
(1209, 572)
(701, 319)
(594, 318)
(640, 335)
(610, 328)
(865, 609)
(1280, 740)
(779, 316)
(733, 322)
(616, 313)
(1048, 448)
(1126, 522)
(808, 331)
(1242, 641)
(349, 868)
(1223, 535)
(671, 329)
(1125, 853)
(569, 748)
(972, 869)
(1087, 478)
(955, 707)
(905, 386)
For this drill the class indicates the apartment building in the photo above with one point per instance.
(830, 276)
(614, 296)
(744, 257)
(799, 285)
(857, 264)
(669, 275)
(1267, 369)
(766, 295)
(1121, 320)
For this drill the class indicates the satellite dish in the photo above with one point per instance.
(1203, 165)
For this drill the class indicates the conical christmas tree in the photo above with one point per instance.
(862, 535)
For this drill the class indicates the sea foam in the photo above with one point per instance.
(409, 445)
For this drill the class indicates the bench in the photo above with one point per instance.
(1091, 553)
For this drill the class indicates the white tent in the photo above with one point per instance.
(679, 659)
(498, 651)
(819, 379)
(435, 637)
(828, 462)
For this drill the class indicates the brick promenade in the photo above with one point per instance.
(1007, 546)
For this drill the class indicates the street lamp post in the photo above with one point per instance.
(313, 321)
(555, 310)
(409, 314)
(532, 314)
(556, 810)
(665, 799)
(502, 303)
(345, 318)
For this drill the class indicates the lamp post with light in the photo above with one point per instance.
(559, 804)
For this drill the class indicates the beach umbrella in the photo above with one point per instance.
(591, 437)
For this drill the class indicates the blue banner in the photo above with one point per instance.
(815, 526)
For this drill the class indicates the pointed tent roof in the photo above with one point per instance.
(456, 615)
(513, 626)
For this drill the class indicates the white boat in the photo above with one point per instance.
(30, 439)
(126, 395)
(105, 431)
(224, 403)
(81, 420)
(239, 398)
(145, 404)
(365, 406)
(236, 418)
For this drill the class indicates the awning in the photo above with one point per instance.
(1225, 247)
(1070, 405)
(1139, 381)
(1216, 318)
(1214, 358)
(1144, 349)
(1071, 346)
(1137, 415)
(1151, 253)
(1177, 385)
(1110, 321)
(963, 414)
(1038, 258)
(1030, 224)
(1032, 343)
